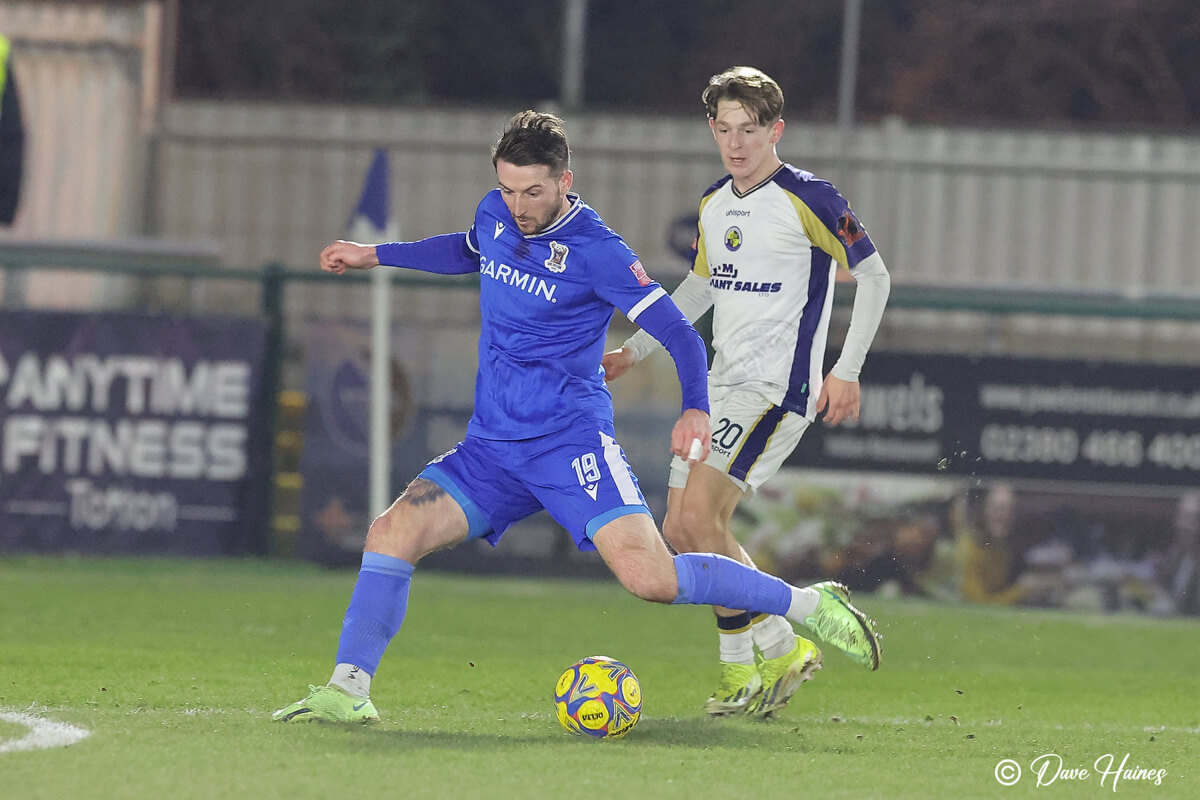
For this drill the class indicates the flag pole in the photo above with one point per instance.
(381, 384)
(372, 221)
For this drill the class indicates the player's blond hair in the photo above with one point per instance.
(757, 91)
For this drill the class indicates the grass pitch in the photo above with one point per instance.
(174, 667)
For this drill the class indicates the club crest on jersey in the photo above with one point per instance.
(557, 261)
(849, 230)
(733, 238)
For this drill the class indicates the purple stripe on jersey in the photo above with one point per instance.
(796, 398)
(756, 442)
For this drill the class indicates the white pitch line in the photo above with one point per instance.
(43, 733)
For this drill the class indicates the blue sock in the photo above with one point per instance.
(707, 579)
(376, 610)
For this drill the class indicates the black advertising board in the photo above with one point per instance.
(124, 433)
(1019, 418)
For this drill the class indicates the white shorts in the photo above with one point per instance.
(751, 438)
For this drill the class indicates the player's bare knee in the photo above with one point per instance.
(655, 591)
(407, 530)
(387, 534)
(655, 585)
(672, 530)
(692, 530)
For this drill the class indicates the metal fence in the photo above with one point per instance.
(257, 182)
(441, 357)
(960, 207)
(950, 209)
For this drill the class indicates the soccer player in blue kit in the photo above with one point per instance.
(542, 431)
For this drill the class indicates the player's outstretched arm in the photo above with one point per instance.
(343, 255)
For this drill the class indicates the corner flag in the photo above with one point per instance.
(372, 222)
(372, 219)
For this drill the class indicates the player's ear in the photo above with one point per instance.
(777, 131)
(564, 182)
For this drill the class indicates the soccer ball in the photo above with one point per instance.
(598, 696)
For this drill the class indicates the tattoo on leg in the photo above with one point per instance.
(422, 492)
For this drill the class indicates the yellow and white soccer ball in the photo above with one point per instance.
(598, 696)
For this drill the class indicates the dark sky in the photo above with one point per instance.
(1036, 62)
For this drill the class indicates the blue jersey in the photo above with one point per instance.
(546, 300)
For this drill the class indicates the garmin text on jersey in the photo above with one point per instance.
(522, 281)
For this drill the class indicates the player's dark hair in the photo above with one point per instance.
(533, 137)
(757, 91)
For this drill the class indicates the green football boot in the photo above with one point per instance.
(330, 704)
(740, 684)
(842, 625)
(782, 676)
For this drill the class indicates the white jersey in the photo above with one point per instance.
(769, 256)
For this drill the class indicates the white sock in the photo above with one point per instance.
(774, 636)
(737, 647)
(355, 681)
(804, 603)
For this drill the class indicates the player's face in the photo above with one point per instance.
(747, 147)
(534, 197)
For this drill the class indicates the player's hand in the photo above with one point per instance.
(616, 363)
(693, 426)
(839, 400)
(342, 255)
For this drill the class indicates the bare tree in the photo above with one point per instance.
(1049, 61)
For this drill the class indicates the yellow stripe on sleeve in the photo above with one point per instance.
(700, 266)
(4, 50)
(816, 231)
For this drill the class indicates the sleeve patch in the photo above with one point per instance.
(639, 272)
(849, 230)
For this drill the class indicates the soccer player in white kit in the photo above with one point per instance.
(771, 238)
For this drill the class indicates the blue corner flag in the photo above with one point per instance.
(372, 218)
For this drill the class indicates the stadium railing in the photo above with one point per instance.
(152, 265)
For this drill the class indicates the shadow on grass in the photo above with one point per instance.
(692, 733)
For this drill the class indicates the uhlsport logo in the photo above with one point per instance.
(557, 262)
(733, 238)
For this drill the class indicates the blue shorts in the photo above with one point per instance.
(580, 476)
